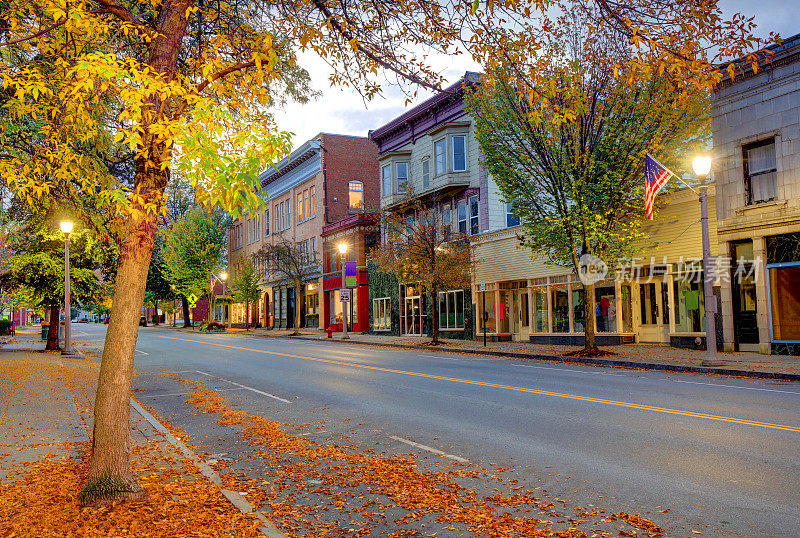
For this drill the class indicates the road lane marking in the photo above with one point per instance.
(589, 399)
(184, 393)
(735, 386)
(140, 351)
(261, 392)
(429, 449)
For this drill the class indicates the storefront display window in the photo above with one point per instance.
(488, 307)
(560, 309)
(381, 314)
(626, 315)
(540, 320)
(784, 290)
(578, 310)
(690, 306)
(605, 309)
(451, 309)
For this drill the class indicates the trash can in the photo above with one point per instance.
(45, 330)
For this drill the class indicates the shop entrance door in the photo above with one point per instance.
(412, 311)
(654, 311)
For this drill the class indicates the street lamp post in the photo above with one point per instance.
(225, 308)
(343, 251)
(702, 167)
(66, 227)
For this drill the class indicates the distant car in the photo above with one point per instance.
(142, 321)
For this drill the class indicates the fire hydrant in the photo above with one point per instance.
(330, 331)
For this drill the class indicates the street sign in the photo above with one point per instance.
(192, 300)
(345, 295)
(350, 275)
(483, 285)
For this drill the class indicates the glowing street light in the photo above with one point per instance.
(702, 167)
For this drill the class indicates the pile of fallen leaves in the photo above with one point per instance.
(392, 484)
(42, 501)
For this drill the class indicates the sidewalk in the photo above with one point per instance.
(46, 412)
(646, 356)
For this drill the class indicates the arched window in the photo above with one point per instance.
(356, 196)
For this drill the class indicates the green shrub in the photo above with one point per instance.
(4, 326)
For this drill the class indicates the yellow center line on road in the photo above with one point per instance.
(511, 387)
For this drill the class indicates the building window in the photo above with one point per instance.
(451, 309)
(440, 155)
(312, 209)
(462, 216)
(402, 177)
(306, 208)
(386, 179)
(300, 216)
(277, 217)
(356, 195)
(312, 303)
(760, 171)
(459, 153)
(381, 314)
(288, 212)
(511, 218)
(266, 222)
(474, 224)
(426, 173)
(313, 249)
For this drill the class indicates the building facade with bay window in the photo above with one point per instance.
(430, 152)
(756, 129)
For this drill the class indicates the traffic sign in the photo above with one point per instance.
(192, 299)
(483, 285)
(345, 295)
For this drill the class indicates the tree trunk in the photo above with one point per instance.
(247, 315)
(435, 315)
(297, 312)
(52, 331)
(589, 309)
(156, 309)
(110, 470)
(186, 313)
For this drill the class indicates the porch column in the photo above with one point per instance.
(497, 308)
(618, 326)
(762, 294)
(671, 301)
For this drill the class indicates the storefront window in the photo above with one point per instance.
(627, 309)
(540, 324)
(690, 306)
(451, 309)
(648, 303)
(784, 283)
(312, 303)
(579, 309)
(605, 309)
(560, 309)
(381, 314)
(488, 307)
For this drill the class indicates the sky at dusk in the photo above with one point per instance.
(345, 112)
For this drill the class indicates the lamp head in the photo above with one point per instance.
(702, 165)
(223, 275)
(66, 226)
(342, 248)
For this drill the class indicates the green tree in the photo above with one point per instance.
(245, 281)
(36, 269)
(423, 249)
(194, 248)
(575, 175)
(158, 285)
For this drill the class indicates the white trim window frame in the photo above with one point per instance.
(401, 173)
(426, 173)
(461, 216)
(449, 310)
(382, 314)
(473, 208)
(386, 180)
(440, 156)
(458, 152)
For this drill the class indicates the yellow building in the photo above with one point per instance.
(656, 297)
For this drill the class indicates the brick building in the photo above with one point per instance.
(324, 180)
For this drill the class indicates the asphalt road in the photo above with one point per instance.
(722, 455)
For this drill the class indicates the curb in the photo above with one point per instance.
(757, 374)
(267, 528)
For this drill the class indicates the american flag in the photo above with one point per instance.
(213, 281)
(656, 176)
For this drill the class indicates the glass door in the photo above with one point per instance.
(412, 311)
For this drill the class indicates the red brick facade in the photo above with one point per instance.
(344, 159)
